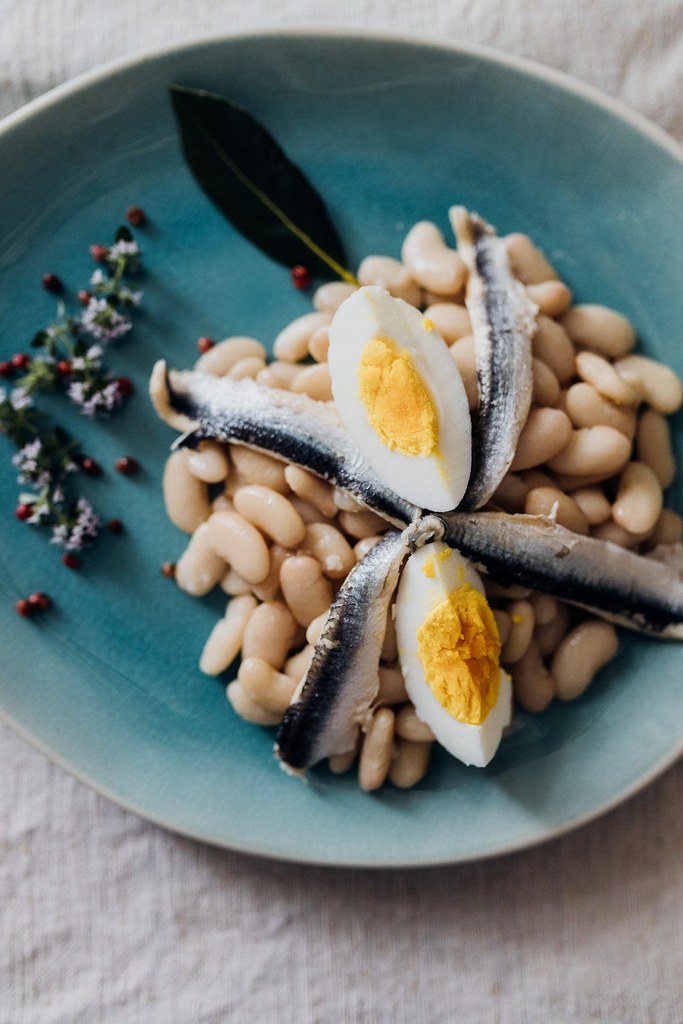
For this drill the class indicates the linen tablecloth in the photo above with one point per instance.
(105, 918)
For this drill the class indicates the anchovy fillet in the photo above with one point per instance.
(503, 322)
(631, 590)
(635, 591)
(343, 679)
(291, 427)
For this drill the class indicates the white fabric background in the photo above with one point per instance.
(105, 918)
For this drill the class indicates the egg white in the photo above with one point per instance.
(436, 482)
(417, 596)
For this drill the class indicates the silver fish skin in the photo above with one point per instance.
(291, 427)
(343, 679)
(631, 590)
(503, 322)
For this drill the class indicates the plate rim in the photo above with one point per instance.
(527, 65)
(90, 78)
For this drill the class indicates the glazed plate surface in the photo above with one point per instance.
(390, 131)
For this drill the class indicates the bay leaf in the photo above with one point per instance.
(254, 184)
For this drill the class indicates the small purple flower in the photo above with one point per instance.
(77, 533)
(124, 248)
(60, 534)
(26, 459)
(76, 392)
(103, 321)
(20, 399)
(129, 298)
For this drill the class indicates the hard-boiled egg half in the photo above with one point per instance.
(401, 397)
(449, 648)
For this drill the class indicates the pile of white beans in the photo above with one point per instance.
(595, 455)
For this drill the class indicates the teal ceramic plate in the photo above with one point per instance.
(390, 131)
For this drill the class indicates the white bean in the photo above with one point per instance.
(390, 274)
(209, 462)
(528, 262)
(548, 636)
(249, 367)
(278, 375)
(269, 633)
(586, 407)
(314, 381)
(639, 499)
(234, 585)
(522, 627)
(258, 468)
(451, 320)
(409, 763)
(430, 261)
(534, 686)
(593, 503)
(659, 385)
(545, 608)
(375, 756)
(545, 434)
(410, 727)
(511, 493)
(246, 708)
(555, 504)
(220, 359)
(504, 624)
(592, 450)
(546, 386)
(329, 297)
(552, 345)
(312, 489)
(362, 524)
(186, 497)
(653, 441)
(581, 654)
(298, 664)
(602, 375)
(465, 359)
(308, 512)
(319, 344)
(669, 529)
(291, 344)
(307, 592)
(615, 534)
(200, 567)
(325, 543)
(240, 544)
(269, 588)
(600, 329)
(272, 513)
(224, 641)
(551, 297)
(265, 686)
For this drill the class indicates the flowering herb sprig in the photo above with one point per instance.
(71, 360)
(46, 458)
(73, 347)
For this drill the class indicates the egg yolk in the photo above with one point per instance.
(399, 407)
(459, 649)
